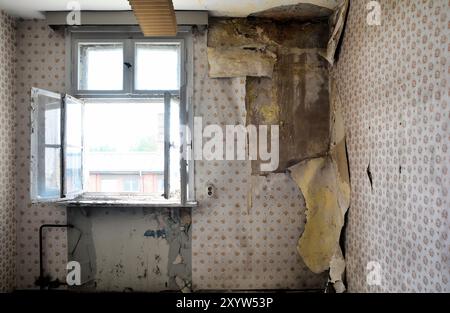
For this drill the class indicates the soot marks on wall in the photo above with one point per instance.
(132, 249)
(293, 94)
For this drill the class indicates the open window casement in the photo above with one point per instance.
(56, 146)
(137, 93)
(57, 151)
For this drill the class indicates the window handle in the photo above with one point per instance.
(127, 64)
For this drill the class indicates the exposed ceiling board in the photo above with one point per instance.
(237, 8)
(155, 17)
(298, 12)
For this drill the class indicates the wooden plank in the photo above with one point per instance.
(155, 17)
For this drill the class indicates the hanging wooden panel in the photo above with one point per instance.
(156, 17)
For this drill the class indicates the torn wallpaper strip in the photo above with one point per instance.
(325, 184)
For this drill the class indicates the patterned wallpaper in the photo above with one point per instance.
(244, 237)
(394, 85)
(40, 63)
(7, 151)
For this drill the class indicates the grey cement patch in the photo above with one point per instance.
(131, 249)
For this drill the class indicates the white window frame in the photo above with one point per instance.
(36, 177)
(129, 36)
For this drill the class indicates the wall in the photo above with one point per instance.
(393, 81)
(131, 249)
(7, 151)
(40, 63)
(245, 236)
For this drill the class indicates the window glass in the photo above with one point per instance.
(74, 122)
(74, 146)
(131, 183)
(51, 186)
(51, 114)
(157, 66)
(175, 190)
(100, 66)
(73, 176)
(124, 142)
(46, 145)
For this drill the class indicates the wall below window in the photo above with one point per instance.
(7, 151)
(393, 81)
(244, 236)
(131, 249)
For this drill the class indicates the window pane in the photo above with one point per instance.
(51, 110)
(100, 66)
(73, 170)
(45, 145)
(175, 190)
(125, 146)
(50, 186)
(74, 122)
(157, 66)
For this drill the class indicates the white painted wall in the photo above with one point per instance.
(239, 8)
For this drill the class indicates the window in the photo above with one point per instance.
(120, 136)
(100, 66)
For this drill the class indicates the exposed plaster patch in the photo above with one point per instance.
(237, 62)
(139, 249)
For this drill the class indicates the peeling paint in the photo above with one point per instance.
(139, 249)
(295, 95)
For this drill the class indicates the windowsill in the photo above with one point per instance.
(133, 202)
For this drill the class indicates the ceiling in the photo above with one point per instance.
(237, 8)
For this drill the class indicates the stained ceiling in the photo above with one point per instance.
(236, 8)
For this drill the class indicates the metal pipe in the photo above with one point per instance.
(41, 261)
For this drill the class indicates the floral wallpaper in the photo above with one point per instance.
(393, 82)
(7, 151)
(40, 63)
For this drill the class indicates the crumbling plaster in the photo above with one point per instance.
(295, 96)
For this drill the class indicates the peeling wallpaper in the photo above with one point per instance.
(40, 63)
(7, 151)
(244, 238)
(393, 81)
